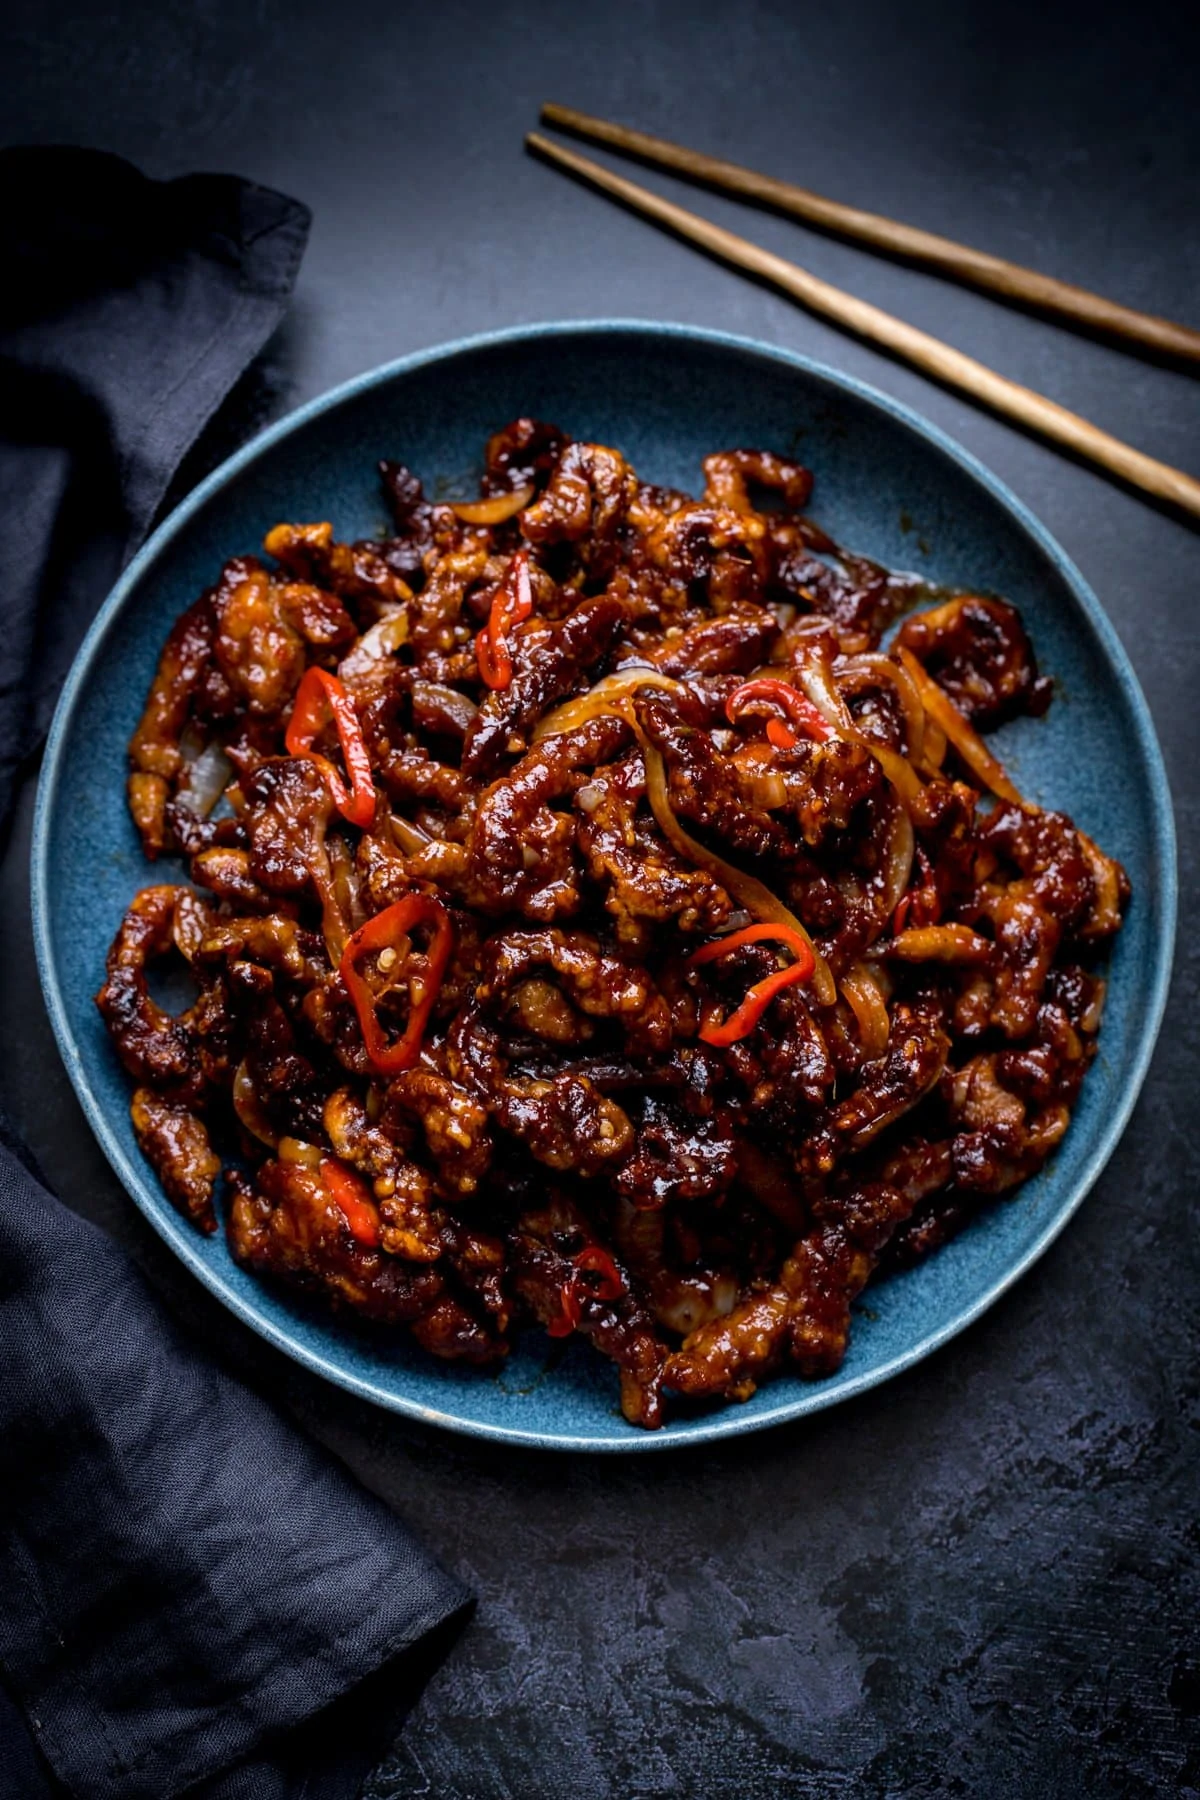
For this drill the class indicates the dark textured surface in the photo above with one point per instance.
(981, 1579)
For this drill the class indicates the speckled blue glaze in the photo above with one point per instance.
(888, 484)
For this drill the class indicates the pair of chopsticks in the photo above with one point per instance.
(1075, 306)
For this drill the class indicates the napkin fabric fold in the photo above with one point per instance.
(194, 1598)
(129, 309)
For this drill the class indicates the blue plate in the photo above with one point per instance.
(888, 484)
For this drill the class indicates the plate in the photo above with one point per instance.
(888, 484)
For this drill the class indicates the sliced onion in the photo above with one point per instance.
(347, 886)
(411, 839)
(494, 511)
(933, 754)
(764, 787)
(816, 679)
(249, 1108)
(376, 645)
(866, 1001)
(959, 730)
(442, 711)
(898, 861)
(898, 770)
(604, 697)
(1090, 1021)
(336, 923)
(683, 1303)
(205, 780)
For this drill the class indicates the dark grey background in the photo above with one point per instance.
(980, 1579)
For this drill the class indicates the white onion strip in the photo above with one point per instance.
(866, 1002)
(602, 698)
(962, 734)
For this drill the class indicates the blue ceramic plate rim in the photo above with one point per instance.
(732, 1422)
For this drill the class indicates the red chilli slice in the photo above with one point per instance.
(352, 1197)
(387, 931)
(595, 1261)
(790, 715)
(319, 695)
(511, 603)
(744, 1018)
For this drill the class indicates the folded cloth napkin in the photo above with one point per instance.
(128, 311)
(193, 1597)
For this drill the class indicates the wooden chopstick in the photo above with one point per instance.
(1074, 305)
(929, 354)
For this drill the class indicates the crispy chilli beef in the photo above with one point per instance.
(593, 926)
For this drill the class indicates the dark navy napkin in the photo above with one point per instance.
(128, 310)
(193, 1597)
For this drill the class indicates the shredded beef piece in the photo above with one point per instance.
(621, 1328)
(856, 594)
(729, 475)
(454, 1123)
(355, 573)
(735, 644)
(719, 553)
(979, 651)
(601, 986)
(520, 852)
(287, 809)
(226, 872)
(418, 524)
(175, 1143)
(705, 786)
(678, 1158)
(286, 1223)
(587, 497)
(523, 454)
(158, 1049)
(412, 1223)
(1047, 850)
(803, 1318)
(187, 685)
(566, 1123)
